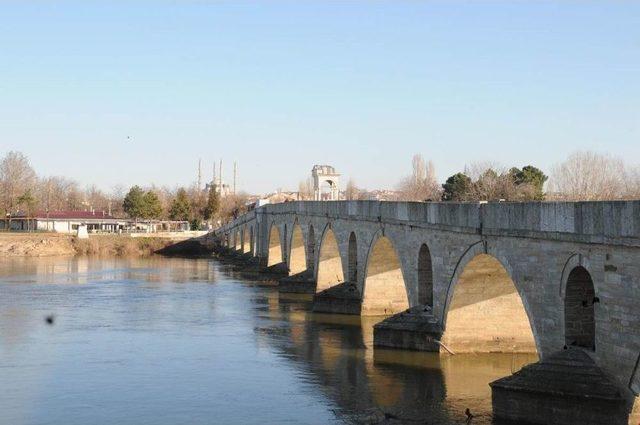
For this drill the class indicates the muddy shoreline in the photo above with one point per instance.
(52, 244)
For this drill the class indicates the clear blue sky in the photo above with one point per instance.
(280, 86)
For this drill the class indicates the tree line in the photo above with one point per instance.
(583, 176)
(23, 191)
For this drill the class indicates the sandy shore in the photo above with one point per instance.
(35, 245)
(50, 244)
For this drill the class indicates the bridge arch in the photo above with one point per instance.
(243, 239)
(579, 309)
(384, 291)
(329, 271)
(252, 246)
(425, 276)
(352, 256)
(485, 310)
(297, 256)
(274, 253)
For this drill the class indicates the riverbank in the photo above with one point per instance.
(53, 244)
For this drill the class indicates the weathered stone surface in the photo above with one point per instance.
(343, 298)
(414, 329)
(566, 388)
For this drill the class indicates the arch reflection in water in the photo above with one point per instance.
(335, 352)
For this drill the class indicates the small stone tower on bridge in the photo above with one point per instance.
(325, 173)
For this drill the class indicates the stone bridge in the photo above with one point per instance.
(515, 277)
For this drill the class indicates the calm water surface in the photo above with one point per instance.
(180, 341)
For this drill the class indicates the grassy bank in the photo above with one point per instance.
(119, 246)
(50, 244)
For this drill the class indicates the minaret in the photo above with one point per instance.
(220, 185)
(199, 173)
(213, 178)
(235, 175)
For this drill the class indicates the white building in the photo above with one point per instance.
(95, 222)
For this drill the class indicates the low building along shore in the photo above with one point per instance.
(93, 221)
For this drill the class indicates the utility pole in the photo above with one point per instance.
(235, 175)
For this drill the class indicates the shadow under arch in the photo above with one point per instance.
(384, 291)
(352, 255)
(425, 276)
(252, 248)
(484, 310)
(329, 270)
(245, 237)
(297, 256)
(274, 253)
(579, 309)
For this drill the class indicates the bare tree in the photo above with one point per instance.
(96, 199)
(16, 179)
(352, 193)
(421, 185)
(589, 176)
(52, 192)
(419, 168)
(231, 206)
(632, 180)
(305, 189)
(116, 197)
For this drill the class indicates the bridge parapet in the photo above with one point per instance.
(611, 222)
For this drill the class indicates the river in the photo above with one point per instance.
(193, 341)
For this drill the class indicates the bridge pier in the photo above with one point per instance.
(343, 298)
(414, 329)
(299, 283)
(566, 388)
(277, 270)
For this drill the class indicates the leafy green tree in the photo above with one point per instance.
(180, 207)
(152, 206)
(456, 187)
(532, 176)
(213, 204)
(134, 203)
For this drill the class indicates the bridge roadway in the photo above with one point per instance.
(556, 278)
